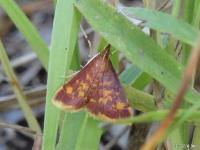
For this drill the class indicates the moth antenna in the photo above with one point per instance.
(107, 51)
(86, 37)
(87, 31)
(81, 66)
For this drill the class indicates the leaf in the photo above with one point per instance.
(89, 137)
(79, 132)
(85, 137)
(132, 75)
(164, 23)
(139, 100)
(160, 115)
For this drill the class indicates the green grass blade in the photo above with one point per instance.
(143, 101)
(196, 14)
(115, 58)
(75, 64)
(196, 135)
(141, 81)
(29, 116)
(165, 23)
(160, 115)
(139, 100)
(130, 74)
(178, 135)
(176, 8)
(135, 77)
(188, 10)
(62, 49)
(90, 134)
(79, 132)
(68, 135)
(27, 29)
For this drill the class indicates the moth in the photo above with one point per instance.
(97, 88)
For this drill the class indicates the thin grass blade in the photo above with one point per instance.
(29, 116)
(164, 23)
(62, 49)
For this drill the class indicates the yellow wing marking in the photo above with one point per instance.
(69, 90)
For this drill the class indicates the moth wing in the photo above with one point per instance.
(107, 101)
(73, 95)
